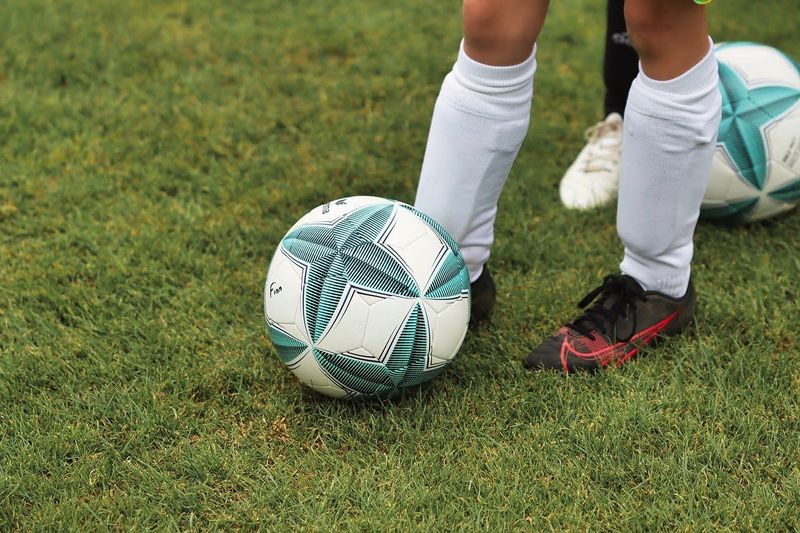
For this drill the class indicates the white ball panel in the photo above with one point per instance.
(362, 352)
(713, 204)
(334, 391)
(386, 316)
(436, 305)
(783, 139)
(341, 336)
(768, 207)
(724, 184)
(296, 330)
(449, 320)
(407, 229)
(309, 372)
(760, 65)
(283, 295)
(780, 175)
(278, 259)
(417, 244)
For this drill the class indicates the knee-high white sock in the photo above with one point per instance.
(479, 122)
(669, 135)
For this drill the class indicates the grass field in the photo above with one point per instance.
(152, 154)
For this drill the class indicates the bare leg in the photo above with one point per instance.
(502, 32)
(671, 36)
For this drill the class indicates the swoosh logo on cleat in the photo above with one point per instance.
(618, 352)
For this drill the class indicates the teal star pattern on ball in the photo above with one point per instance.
(345, 251)
(346, 256)
(746, 113)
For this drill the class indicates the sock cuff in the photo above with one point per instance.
(695, 82)
(498, 93)
(693, 98)
(490, 77)
(654, 275)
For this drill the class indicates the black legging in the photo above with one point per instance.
(621, 63)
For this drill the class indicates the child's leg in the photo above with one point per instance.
(669, 135)
(479, 122)
(620, 62)
(669, 131)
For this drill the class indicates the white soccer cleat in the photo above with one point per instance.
(593, 179)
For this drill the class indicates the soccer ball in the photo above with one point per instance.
(366, 297)
(756, 168)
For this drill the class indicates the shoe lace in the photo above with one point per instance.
(617, 295)
(603, 146)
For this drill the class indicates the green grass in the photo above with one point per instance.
(152, 154)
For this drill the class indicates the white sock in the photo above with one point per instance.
(669, 136)
(479, 122)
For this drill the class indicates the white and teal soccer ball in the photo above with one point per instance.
(756, 169)
(366, 297)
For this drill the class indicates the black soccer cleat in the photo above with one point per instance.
(623, 318)
(484, 295)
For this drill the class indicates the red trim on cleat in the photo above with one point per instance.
(619, 317)
(608, 354)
